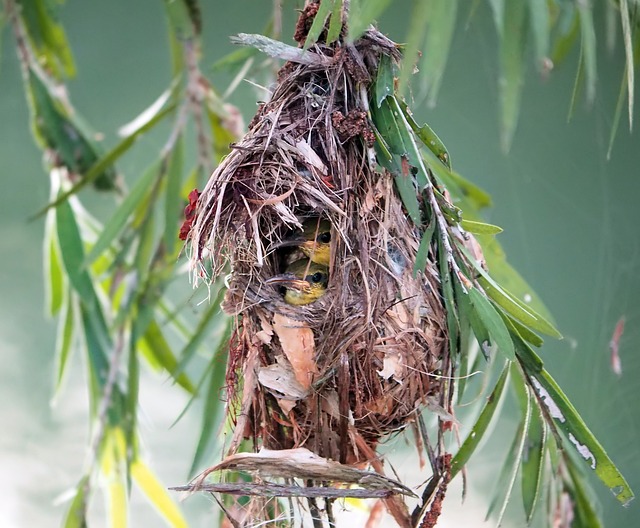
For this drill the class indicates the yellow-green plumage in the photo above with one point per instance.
(304, 281)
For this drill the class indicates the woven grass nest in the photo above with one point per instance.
(339, 374)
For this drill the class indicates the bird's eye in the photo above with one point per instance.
(325, 238)
(317, 277)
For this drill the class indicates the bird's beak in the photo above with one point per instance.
(289, 242)
(288, 280)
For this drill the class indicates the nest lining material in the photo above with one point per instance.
(338, 374)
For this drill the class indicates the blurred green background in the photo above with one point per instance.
(570, 220)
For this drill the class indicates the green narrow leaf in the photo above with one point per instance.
(615, 124)
(53, 277)
(335, 23)
(480, 427)
(510, 467)
(385, 79)
(319, 20)
(76, 516)
(540, 25)
(493, 323)
(533, 464)
(64, 340)
(469, 313)
(116, 223)
(422, 255)
(173, 201)
(211, 317)
(155, 348)
(447, 281)
(108, 159)
(565, 418)
(415, 35)
(362, 13)
(568, 27)
(508, 302)
(180, 19)
(214, 404)
(521, 330)
(586, 515)
(512, 47)
(588, 46)
(628, 50)
(480, 228)
(157, 494)
(47, 36)
(440, 31)
(428, 137)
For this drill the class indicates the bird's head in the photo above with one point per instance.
(304, 282)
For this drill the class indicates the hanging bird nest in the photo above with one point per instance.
(337, 375)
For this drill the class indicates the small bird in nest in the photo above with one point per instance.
(304, 282)
(314, 241)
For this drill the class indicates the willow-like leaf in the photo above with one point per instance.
(47, 36)
(480, 427)
(209, 318)
(428, 137)
(447, 280)
(440, 30)
(54, 280)
(521, 330)
(468, 314)
(64, 342)
(588, 47)
(512, 47)
(335, 22)
(122, 214)
(172, 200)
(533, 463)
(480, 228)
(415, 35)
(157, 494)
(540, 25)
(214, 405)
(108, 159)
(76, 516)
(181, 20)
(362, 13)
(422, 254)
(508, 302)
(628, 50)
(318, 24)
(155, 348)
(566, 419)
(385, 80)
(493, 323)
(585, 513)
(511, 466)
(617, 115)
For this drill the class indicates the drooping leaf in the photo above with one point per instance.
(119, 219)
(64, 342)
(588, 47)
(447, 280)
(480, 427)
(480, 228)
(615, 123)
(47, 36)
(428, 137)
(628, 50)
(508, 473)
(212, 408)
(566, 419)
(318, 24)
(533, 463)
(422, 254)
(512, 47)
(440, 31)
(362, 13)
(335, 22)
(415, 36)
(493, 323)
(157, 494)
(541, 26)
(76, 516)
(54, 278)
